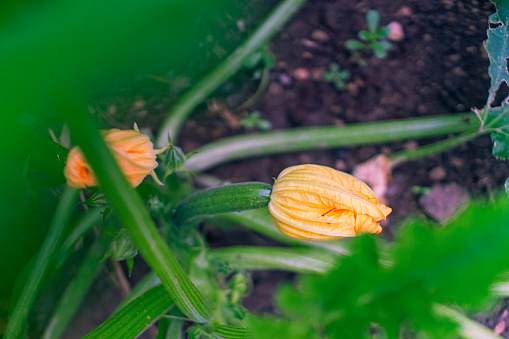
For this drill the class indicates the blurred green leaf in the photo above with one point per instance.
(372, 20)
(452, 265)
(379, 49)
(365, 36)
(271, 328)
(354, 45)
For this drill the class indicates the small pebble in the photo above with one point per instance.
(444, 202)
(395, 31)
(437, 173)
(319, 35)
(301, 74)
(404, 11)
(285, 79)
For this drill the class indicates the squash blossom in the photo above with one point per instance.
(320, 203)
(133, 151)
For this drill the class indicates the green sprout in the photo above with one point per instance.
(375, 38)
(253, 121)
(337, 76)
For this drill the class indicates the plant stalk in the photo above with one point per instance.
(184, 107)
(427, 150)
(240, 147)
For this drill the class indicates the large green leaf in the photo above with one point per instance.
(426, 266)
(495, 120)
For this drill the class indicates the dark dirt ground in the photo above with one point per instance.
(439, 68)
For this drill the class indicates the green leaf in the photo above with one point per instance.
(305, 260)
(271, 327)
(379, 50)
(365, 36)
(455, 265)
(372, 20)
(122, 247)
(497, 47)
(496, 119)
(354, 45)
(135, 317)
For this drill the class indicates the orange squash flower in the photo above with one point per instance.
(133, 151)
(315, 202)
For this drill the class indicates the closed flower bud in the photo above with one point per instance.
(320, 203)
(133, 151)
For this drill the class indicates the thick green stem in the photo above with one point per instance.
(222, 199)
(279, 16)
(302, 139)
(65, 208)
(427, 150)
(132, 214)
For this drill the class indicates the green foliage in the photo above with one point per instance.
(424, 267)
(254, 121)
(337, 76)
(495, 120)
(375, 38)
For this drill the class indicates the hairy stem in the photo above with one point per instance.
(284, 141)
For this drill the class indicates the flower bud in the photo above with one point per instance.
(133, 151)
(319, 203)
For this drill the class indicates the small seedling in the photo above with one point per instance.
(375, 38)
(337, 76)
(253, 121)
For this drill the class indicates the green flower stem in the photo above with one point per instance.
(132, 214)
(77, 289)
(183, 108)
(302, 259)
(63, 213)
(301, 139)
(222, 199)
(437, 147)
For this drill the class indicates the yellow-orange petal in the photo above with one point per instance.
(133, 151)
(77, 171)
(318, 202)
